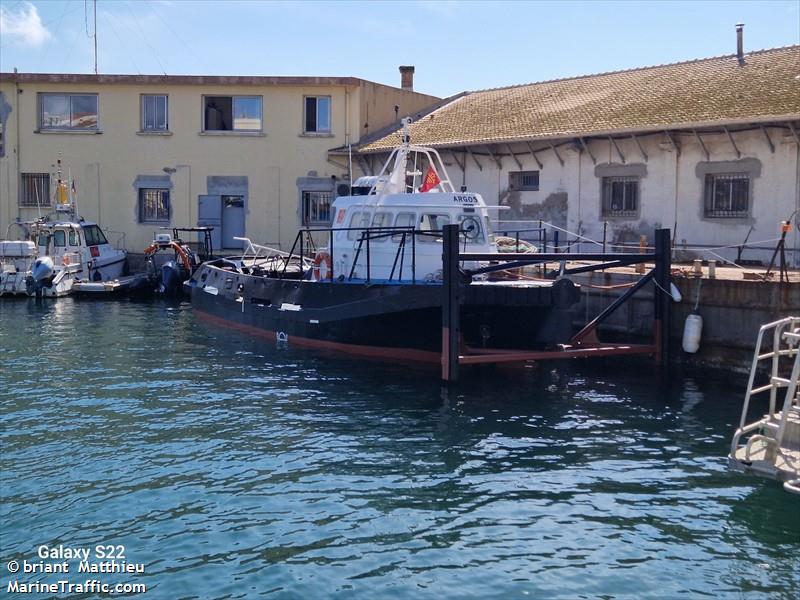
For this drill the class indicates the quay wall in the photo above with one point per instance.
(732, 312)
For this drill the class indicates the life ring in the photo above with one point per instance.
(323, 258)
(65, 260)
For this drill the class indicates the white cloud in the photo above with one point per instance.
(23, 27)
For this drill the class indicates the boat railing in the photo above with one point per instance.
(256, 254)
(784, 336)
(405, 236)
(119, 238)
(68, 259)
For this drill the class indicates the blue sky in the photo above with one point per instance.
(455, 46)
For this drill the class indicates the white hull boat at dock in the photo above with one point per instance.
(57, 252)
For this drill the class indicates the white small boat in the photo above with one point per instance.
(56, 251)
(770, 446)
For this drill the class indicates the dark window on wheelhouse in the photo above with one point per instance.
(727, 195)
(93, 235)
(59, 238)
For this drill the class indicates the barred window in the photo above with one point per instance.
(620, 196)
(153, 205)
(523, 181)
(727, 195)
(316, 208)
(35, 189)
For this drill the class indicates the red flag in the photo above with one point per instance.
(431, 180)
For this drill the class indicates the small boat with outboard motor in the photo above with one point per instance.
(371, 283)
(53, 254)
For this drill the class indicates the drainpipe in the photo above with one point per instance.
(17, 92)
(797, 207)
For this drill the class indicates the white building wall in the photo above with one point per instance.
(670, 193)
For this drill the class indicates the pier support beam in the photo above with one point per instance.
(451, 298)
(662, 295)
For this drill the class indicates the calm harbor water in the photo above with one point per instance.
(234, 470)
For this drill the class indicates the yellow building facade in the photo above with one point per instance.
(247, 155)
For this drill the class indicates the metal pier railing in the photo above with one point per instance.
(771, 445)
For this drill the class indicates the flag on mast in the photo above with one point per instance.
(431, 180)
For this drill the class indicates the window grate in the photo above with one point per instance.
(523, 181)
(620, 196)
(35, 189)
(316, 208)
(727, 195)
(153, 205)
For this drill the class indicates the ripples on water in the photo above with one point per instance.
(232, 469)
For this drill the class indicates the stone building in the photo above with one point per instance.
(707, 148)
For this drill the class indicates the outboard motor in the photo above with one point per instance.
(41, 275)
(171, 278)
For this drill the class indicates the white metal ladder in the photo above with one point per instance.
(785, 335)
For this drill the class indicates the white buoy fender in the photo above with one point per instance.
(692, 330)
(676, 293)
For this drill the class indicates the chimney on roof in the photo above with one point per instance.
(740, 43)
(407, 78)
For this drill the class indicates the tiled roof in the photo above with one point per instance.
(689, 94)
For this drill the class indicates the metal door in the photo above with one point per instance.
(209, 214)
(232, 221)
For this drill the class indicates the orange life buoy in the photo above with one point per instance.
(65, 260)
(323, 258)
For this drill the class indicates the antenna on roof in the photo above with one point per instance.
(406, 121)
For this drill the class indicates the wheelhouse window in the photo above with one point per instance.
(470, 226)
(406, 220)
(381, 219)
(34, 189)
(153, 205)
(317, 208)
(232, 113)
(154, 112)
(68, 112)
(727, 195)
(318, 114)
(59, 238)
(433, 223)
(93, 235)
(358, 222)
(620, 196)
(523, 181)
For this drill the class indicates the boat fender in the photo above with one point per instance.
(692, 330)
(320, 273)
(676, 293)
